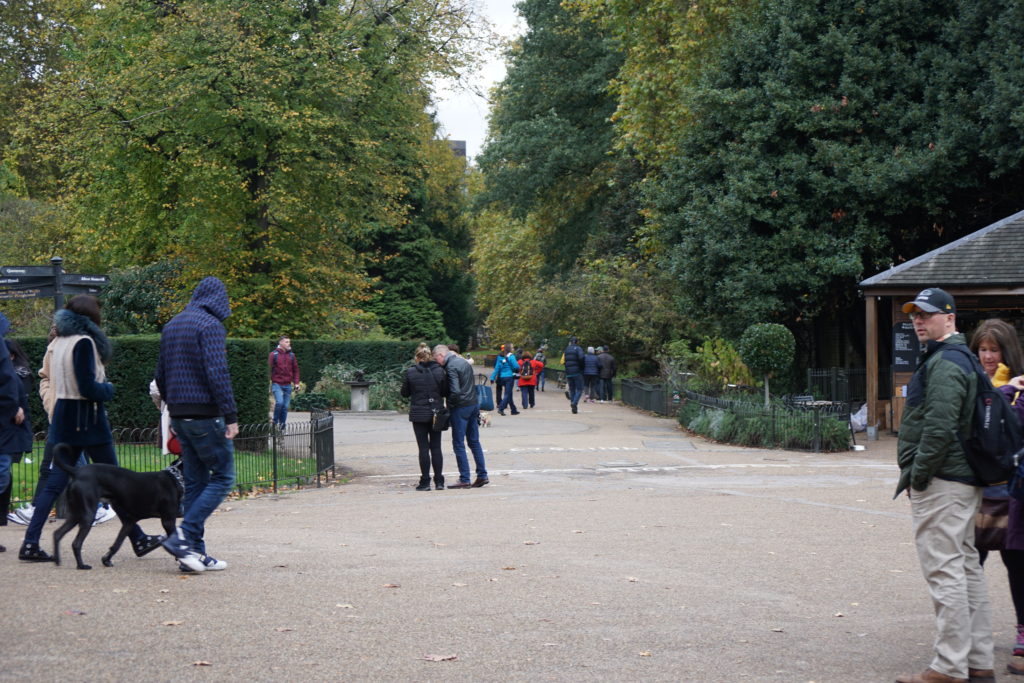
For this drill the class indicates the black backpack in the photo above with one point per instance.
(995, 440)
(526, 368)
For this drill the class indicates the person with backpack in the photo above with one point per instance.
(528, 371)
(944, 492)
(541, 358)
(591, 373)
(284, 377)
(506, 369)
(1000, 524)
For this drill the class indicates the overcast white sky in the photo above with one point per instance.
(462, 114)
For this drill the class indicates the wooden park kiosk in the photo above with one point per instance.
(984, 271)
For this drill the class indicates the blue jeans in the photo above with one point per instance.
(5, 473)
(282, 399)
(575, 388)
(607, 390)
(540, 380)
(57, 480)
(466, 429)
(508, 386)
(208, 463)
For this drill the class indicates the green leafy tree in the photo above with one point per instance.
(251, 140)
(828, 142)
(140, 300)
(768, 350)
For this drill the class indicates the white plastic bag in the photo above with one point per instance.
(859, 420)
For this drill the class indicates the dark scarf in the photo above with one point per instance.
(69, 323)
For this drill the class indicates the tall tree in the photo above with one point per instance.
(828, 142)
(254, 140)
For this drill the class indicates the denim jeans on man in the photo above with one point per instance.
(575, 388)
(508, 385)
(208, 463)
(57, 480)
(466, 429)
(282, 399)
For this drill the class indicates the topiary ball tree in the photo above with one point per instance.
(767, 349)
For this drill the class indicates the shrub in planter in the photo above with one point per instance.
(767, 349)
(309, 402)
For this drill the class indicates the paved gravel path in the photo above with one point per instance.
(610, 546)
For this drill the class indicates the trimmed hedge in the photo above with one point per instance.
(131, 371)
(314, 356)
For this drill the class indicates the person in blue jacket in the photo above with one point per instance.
(573, 359)
(506, 369)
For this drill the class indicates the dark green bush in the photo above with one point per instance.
(131, 370)
(310, 401)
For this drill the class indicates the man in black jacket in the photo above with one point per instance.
(465, 414)
(573, 359)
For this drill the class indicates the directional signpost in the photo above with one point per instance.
(34, 282)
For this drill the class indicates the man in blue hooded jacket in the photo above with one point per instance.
(193, 379)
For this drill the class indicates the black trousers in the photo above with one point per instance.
(429, 443)
(1013, 560)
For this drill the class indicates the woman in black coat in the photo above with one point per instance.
(425, 385)
(15, 427)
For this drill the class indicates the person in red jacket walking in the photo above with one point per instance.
(528, 371)
(284, 377)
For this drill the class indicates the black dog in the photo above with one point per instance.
(133, 495)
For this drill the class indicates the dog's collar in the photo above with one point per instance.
(175, 470)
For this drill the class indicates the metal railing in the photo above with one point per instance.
(302, 454)
(812, 426)
(654, 397)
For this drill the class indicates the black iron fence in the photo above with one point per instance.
(266, 458)
(798, 425)
(656, 397)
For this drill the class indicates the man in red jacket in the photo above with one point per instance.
(284, 376)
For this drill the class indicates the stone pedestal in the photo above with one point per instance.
(360, 396)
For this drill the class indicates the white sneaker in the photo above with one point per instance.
(104, 513)
(22, 515)
(192, 562)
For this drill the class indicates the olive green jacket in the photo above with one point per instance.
(940, 403)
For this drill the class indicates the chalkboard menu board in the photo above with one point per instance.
(905, 347)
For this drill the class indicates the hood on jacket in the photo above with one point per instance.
(69, 323)
(5, 325)
(212, 296)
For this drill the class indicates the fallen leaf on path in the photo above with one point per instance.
(778, 630)
(838, 614)
(632, 579)
(161, 600)
(164, 590)
(345, 605)
(645, 653)
(74, 612)
(577, 531)
(392, 585)
(120, 590)
(173, 623)
(201, 663)
(283, 629)
(460, 585)
(440, 658)
(509, 569)
(531, 542)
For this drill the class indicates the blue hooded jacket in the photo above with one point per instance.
(192, 371)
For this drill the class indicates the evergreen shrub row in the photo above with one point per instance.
(750, 426)
(134, 360)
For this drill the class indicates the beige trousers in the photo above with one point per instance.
(943, 517)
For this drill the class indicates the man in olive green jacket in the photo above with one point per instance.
(944, 494)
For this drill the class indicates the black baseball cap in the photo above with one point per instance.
(932, 300)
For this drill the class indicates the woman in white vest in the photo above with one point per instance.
(74, 397)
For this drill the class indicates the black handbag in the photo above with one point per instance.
(442, 418)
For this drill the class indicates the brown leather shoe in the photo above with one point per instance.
(460, 485)
(981, 675)
(929, 676)
(480, 482)
(1016, 666)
